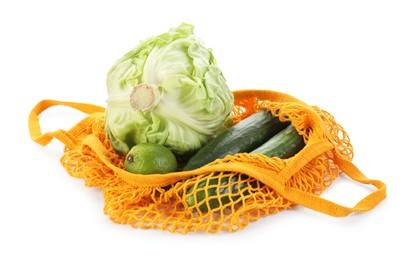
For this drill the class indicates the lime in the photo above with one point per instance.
(150, 158)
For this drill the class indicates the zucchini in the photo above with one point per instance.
(245, 136)
(284, 144)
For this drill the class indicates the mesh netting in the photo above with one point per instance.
(210, 201)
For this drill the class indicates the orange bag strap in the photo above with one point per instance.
(269, 177)
(66, 137)
(320, 204)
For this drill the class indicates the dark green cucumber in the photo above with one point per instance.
(228, 190)
(284, 144)
(245, 136)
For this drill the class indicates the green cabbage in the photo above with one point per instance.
(168, 90)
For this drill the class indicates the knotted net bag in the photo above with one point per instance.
(260, 185)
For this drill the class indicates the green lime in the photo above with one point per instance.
(150, 158)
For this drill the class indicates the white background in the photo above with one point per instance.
(355, 59)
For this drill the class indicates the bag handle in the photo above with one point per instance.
(277, 182)
(269, 177)
(331, 208)
(66, 137)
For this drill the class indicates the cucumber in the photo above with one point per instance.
(245, 136)
(227, 193)
(284, 144)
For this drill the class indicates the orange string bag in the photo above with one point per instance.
(264, 185)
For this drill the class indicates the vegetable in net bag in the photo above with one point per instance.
(259, 185)
(168, 90)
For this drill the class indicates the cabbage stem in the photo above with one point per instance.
(144, 97)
